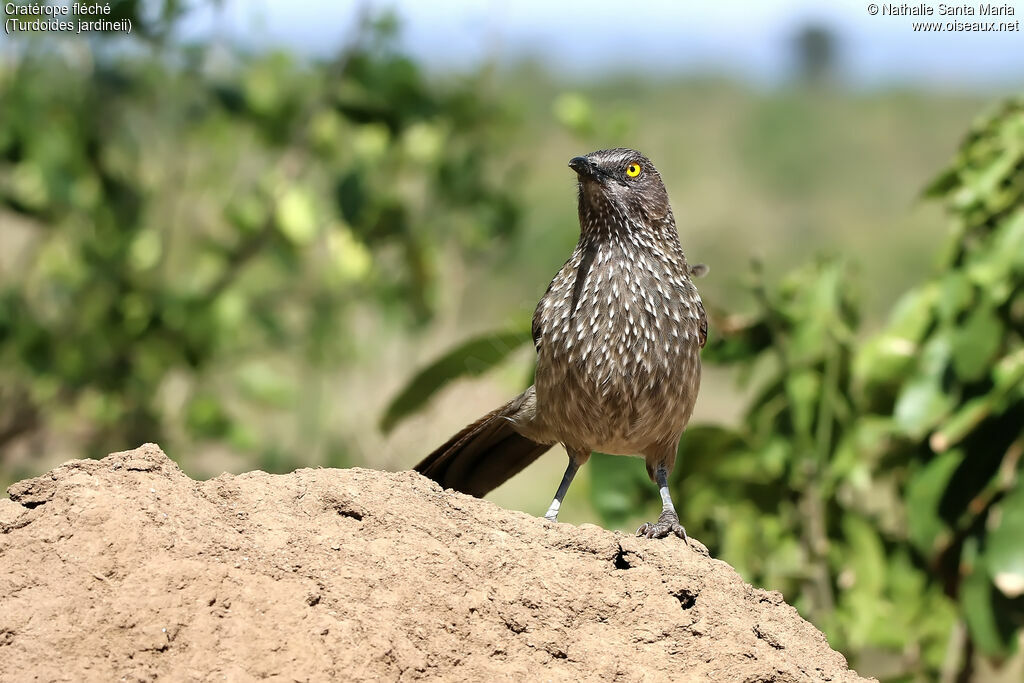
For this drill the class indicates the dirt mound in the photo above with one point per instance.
(124, 568)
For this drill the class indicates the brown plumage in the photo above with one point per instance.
(618, 336)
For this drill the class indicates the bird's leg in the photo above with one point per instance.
(668, 520)
(570, 472)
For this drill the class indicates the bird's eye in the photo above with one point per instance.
(633, 170)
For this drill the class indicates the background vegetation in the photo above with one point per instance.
(247, 256)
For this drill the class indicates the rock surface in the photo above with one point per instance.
(126, 569)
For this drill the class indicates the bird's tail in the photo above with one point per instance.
(484, 454)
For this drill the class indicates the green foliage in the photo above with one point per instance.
(470, 359)
(190, 232)
(965, 384)
(876, 482)
(892, 466)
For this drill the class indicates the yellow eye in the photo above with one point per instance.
(633, 170)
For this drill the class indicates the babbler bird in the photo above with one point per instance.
(618, 337)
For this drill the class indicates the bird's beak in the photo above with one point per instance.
(584, 168)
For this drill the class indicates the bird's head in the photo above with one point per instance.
(620, 186)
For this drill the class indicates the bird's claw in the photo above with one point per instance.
(667, 524)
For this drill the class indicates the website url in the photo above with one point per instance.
(966, 26)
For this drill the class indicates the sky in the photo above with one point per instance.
(744, 39)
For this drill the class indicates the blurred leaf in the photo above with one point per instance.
(923, 400)
(991, 268)
(975, 343)
(371, 142)
(925, 490)
(296, 216)
(864, 571)
(913, 313)
(1004, 546)
(956, 295)
(883, 359)
(921, 404)
(1009, 371)
(984, 181)
(867, 556)
(803, 389)
(350, 257)
(943, 183)
(469, 359)
(423, 142)
(145, 250)
(978, 602)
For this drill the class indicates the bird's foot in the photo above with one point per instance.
(668, 523)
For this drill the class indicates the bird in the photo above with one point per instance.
(618, 335)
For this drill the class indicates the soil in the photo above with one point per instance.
(125, 569)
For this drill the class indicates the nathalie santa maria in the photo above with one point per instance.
(921, 9)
